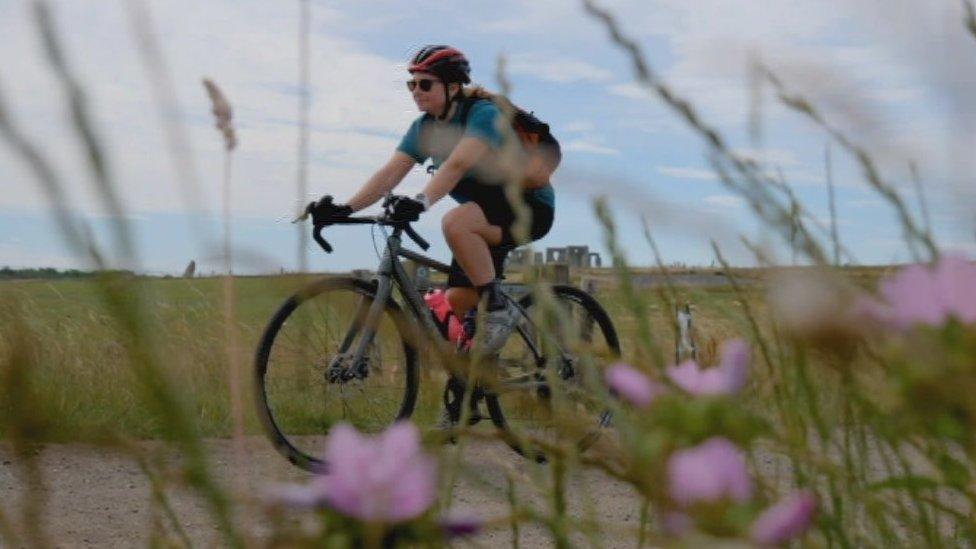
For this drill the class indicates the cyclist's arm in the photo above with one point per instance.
(464, 156)
(383, 181)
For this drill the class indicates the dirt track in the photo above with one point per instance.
(98, 498)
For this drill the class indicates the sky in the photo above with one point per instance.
(896, 77)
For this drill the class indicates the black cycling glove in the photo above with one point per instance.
(324, 211)
(404, 209)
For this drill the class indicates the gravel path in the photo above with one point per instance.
(100, 498)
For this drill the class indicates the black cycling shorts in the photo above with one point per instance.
(499, 212)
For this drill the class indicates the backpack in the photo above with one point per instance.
(542, 151)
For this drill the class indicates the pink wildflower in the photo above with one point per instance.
(384, 478)
(728, 377)
(712, 471)
(809, 304)
(919, 294)
(676, 524)
(456, 525)
(787, 519)
(632, 385)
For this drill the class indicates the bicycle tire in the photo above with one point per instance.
(293, 428)
(512, 432)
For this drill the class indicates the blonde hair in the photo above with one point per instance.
(478, 92)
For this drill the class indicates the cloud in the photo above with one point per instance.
(630, 91)
(585, 145)
(768, 156)
(249, 50)
(864, 203)
(889, 76)
(561, 70)
(966, 248)
(686, 173)
(724, 201)
(577, 127)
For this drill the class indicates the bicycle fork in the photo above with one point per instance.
(364, 325)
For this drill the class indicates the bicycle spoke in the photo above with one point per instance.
(304, 397)
(553, 405)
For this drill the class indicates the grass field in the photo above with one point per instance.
(85, 378)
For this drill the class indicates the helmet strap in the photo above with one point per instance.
(448, 100)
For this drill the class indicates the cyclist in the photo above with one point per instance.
(459, 131)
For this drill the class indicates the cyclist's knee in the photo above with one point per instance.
(451, 224)
(461, 220)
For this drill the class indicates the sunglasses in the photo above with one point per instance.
(425, 84)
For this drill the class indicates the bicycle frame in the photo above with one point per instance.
(390, 273)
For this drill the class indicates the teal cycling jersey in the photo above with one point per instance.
(428, 138)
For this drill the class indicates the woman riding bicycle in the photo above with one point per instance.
(460, 131)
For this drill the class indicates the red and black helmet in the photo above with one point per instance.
(444, 62)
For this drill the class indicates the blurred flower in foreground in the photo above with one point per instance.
(712, 471)
(811, 304)
(676, 524)
(787, 519)
(728, 377)
(920, 294)
(455, 526)
(631, 384)
(384, 478)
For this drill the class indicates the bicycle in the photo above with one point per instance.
(346, 349)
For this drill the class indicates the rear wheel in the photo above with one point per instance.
(549, 392)
(306, 381)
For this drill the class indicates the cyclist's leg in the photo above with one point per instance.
(479, 233)
(469, 235)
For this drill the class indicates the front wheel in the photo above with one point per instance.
(550, 391)
(307, 381)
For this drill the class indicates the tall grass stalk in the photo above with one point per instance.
(168, 110)
(85, 129)
(666, 292)
(647, 346)
(970, 17)
(750, 316)
(510, 156)
(871, 172)
(304, 105)
(123, 305)
(223, 113)
(158, 493)
(643, 522)
(71, 228)
(923, 207)
(25, 427)
(513, 504)
(742, 175)
(831, 204)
